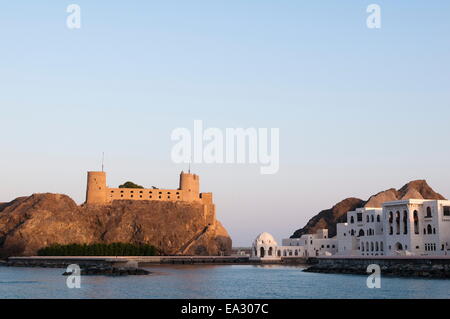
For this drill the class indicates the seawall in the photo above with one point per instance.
(140, 261)
(430, 267)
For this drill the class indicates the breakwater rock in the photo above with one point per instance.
(110, 271)
(400, 267)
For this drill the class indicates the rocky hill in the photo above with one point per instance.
(337, 214)
(30, 223)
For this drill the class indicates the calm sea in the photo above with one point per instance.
(222, 281)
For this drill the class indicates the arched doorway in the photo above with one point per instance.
(398, 246)
(262, 252)
(270, 251)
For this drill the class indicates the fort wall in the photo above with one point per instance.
(98, 193)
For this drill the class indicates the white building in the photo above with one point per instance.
(265, 247)
(408, 227)
(414, 227)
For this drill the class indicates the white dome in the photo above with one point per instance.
(265, 239)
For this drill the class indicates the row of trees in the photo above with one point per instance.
(114, 249)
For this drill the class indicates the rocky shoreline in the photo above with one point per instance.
(110, 271)
(420, 268)
(94, 268)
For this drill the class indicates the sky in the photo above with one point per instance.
(359, 110)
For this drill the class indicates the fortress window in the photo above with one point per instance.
(131, 191)
(141, 192)
(121, 195)
(160, 192)
(159, 196)
(150, 196)
(168, 197)
(131, 196)
(178, 197)
(121, 191)
(150, 192)
(140, 196)
(168, 192)
(178, 193)
(112, 191)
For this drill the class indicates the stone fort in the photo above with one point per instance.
(98, 193)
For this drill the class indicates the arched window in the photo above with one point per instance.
(378, 218)
(352, 220)
(367, 218)
(391, 217)
(361, 233)
(405, 222)
(397, 222)
(429, 229)
(371, 246)
(416, 222)
(270, 251)
(362, 246)
(381, 246)
(296, 252)
(434, 230)
(372, 218)
(279, 253)
(352, 232)
(428, 213)
(391, 230)
(262, 252)
(367, 246)
(377, 247)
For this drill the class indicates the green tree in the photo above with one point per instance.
(130, 185)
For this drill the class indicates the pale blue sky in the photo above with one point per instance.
(359, 110)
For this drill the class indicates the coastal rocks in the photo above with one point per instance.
(30, 223)
(110, 271)
(328, 218)
(435, 268)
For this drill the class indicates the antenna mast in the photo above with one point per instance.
(103, 160)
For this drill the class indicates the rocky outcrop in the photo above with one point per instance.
(30, 223)
(328, 218)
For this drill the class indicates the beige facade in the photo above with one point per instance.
(99, 193)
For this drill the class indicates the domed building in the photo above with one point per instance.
(264, 247)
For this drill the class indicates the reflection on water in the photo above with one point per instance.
(214, 281)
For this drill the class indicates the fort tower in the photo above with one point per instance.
(96, 188)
